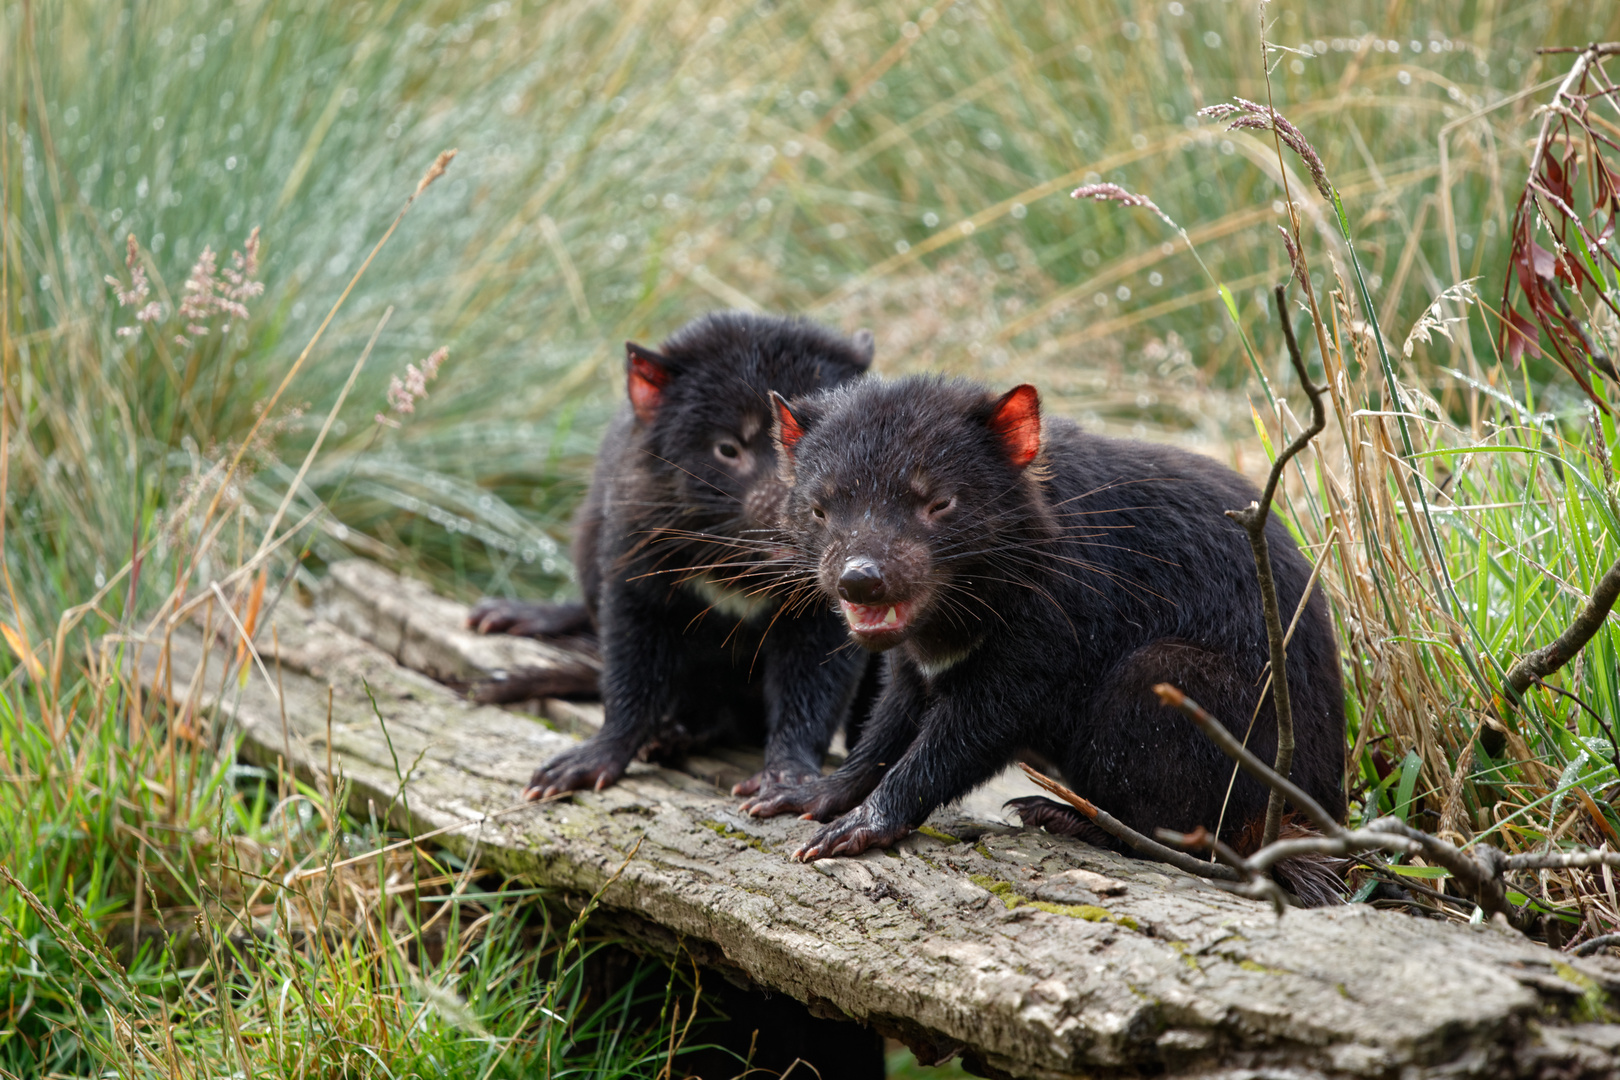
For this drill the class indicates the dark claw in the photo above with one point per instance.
(1037, 812)
(852, 834)
(769, 780)
(594, 765)
(819, 799)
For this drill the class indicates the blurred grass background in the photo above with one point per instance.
(621, 169)
(899, 166)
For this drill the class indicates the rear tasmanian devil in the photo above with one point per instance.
(1029, 591)
(681, 575)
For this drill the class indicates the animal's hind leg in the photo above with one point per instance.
(1038, 812)
(1146, 763)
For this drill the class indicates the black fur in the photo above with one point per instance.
(1045, 603)
(681, 570)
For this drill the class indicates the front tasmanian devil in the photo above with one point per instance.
(681, 572)
(1029, 590)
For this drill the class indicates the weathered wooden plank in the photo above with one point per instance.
(1039, 956)
(425, 631)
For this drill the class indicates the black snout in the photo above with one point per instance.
(861, 582)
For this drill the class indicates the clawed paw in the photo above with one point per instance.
(818, 799)
(850, 835)
(593, 766)
(1038, 812)
(496, 615)
(766, 782)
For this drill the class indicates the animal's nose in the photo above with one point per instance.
(861, 582)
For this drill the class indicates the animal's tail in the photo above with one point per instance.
(1317, 880)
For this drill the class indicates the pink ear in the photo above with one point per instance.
(1016, 420)
(648, 375)
(788, 429)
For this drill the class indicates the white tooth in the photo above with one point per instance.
(891, 618)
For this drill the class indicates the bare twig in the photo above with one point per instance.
(1549, 658)
(1253, 518)
(1479, 871)
(1563, 860)
(1123, 832)
(1256, 886)
(1597, 944)
(1217, 733)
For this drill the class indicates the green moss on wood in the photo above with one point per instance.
(938, 834)
(1186, 954)
(720, 828)
(1012, 898)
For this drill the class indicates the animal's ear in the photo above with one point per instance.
(1015, 419)
(648, 375)
(786, 429)
(865, 346)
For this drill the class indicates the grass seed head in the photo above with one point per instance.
(1244, 114)
(1115, 193)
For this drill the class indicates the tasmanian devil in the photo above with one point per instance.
(679, 568)
(1029, 589)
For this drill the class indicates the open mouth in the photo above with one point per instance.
(878, 619)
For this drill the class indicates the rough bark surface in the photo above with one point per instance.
(1035, 956)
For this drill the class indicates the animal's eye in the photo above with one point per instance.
(818, 513)
(727, 450)
(941, 507)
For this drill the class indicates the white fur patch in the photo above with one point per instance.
(742, 606)
(935, 666)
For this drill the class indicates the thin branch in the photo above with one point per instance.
(1123, 832)
(1548, 659)
(1566, 860)
(1256, 885)
(1253, 518)
(1597, 944)
(1217, 733)
(1478, 871)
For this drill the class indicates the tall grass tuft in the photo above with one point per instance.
(902, 167)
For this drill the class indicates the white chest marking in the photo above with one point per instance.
(935, 666)
(742, 606)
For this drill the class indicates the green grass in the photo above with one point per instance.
(252, 941)
(894, 166)
(687, 160)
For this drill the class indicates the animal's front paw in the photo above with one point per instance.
(819, 799)
(594, 765)
(852, 834)
(768, 781)
(496, 615)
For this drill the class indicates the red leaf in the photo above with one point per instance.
(1542, 261)
(1553, 171)
(1522, 336)
(1557, 177)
